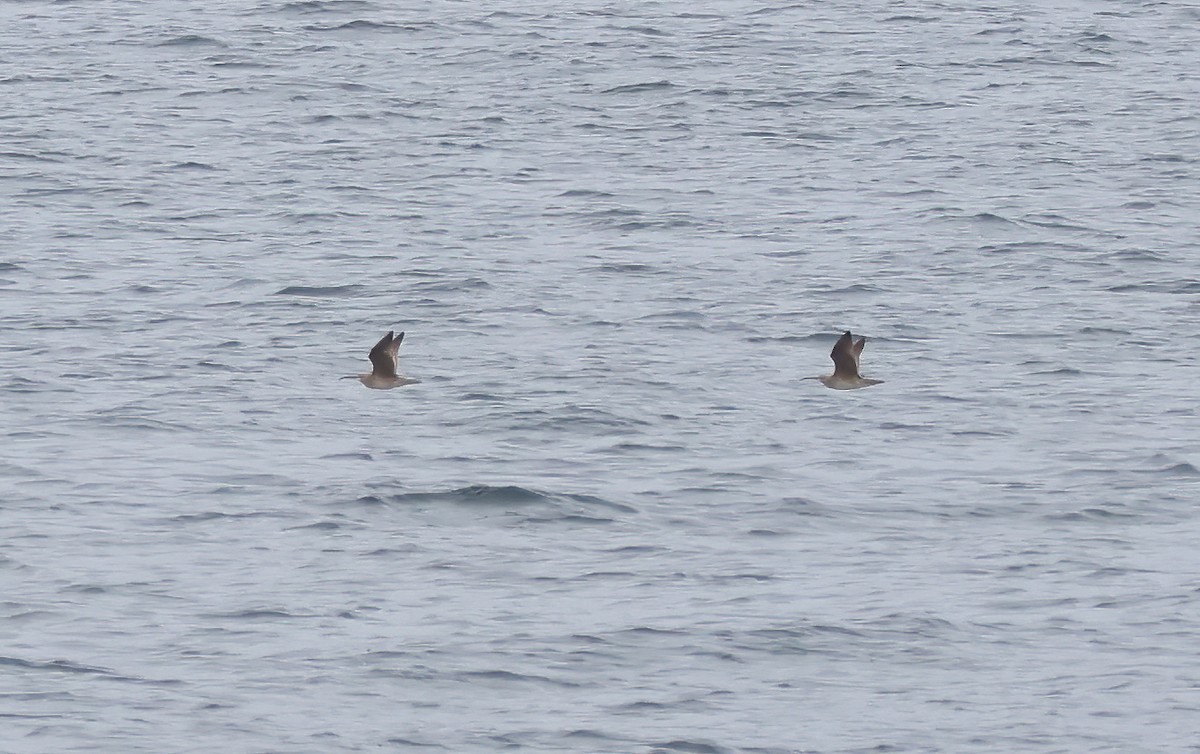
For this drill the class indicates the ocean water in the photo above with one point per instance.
(612, 516)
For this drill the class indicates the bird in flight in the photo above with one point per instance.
(845, 355)
(383, 374)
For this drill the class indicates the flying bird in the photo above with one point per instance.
(845, 355)
(383, 365)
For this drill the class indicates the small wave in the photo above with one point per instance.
(586, 193)
(62, 666)
(364, 25)
(407, 742)
(190, 518)
(348, 456)
(317, 526)
(453, 285)
(990, 218)
(679, 315)
(689, 747)
(647, 86)
(193, 166)
(332, 290)
(530, 506)
(1091, 514)
(260, 614)
(191, 40)
(631, 268)
(326, 6)
(647, 30)
(509, 676)
(1183, 469)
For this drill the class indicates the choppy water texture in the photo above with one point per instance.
(611, 517)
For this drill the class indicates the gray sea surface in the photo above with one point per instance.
(612, 516)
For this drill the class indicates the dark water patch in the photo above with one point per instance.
(849, 290)
(1158, 286)
(191, 40)
(688, 747)
(193, 518)
(1057, 222)
(637, 549)
(1092, 514)
(602, 575)
(84, 589)
(500, 497)
(361, 25)
(193, 166)
(1179, 470)
(982, 433)
(677, 316)
(31, 156)
(989, 218)
(388, 552)
(214, 366)
(1048, 247)
(631, 268)
(901, 426)
(568, 519)
(648, 86)
(1165, 158)
(126, 420)
(259, 614)
(639, 447)
(59, 666)
(26, 385)
(331, 291)
(586, 194)
(649, 31)
(649, 632)
(507, 676)
(327, 6)
(591, 735)
(463, 284)
(321, 526)
(484, 397)
(408, 742)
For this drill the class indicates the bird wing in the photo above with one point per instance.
(383, 356)
(845, 364)
(858, 347)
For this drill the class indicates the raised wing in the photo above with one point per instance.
(383, 355)
(844, 355)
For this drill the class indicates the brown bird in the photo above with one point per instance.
(845, 355)
(383, 365)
